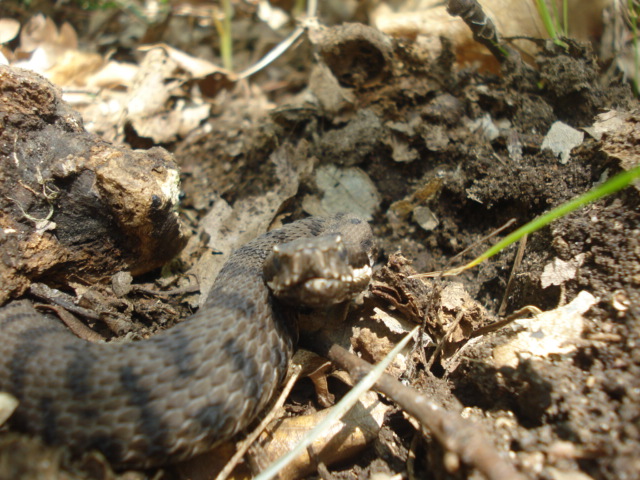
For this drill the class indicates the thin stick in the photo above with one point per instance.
(443, 341)
(462, 438)
(312, 8)
(485, 238)
(78, 328)
(516, 265)
(457, 270)
(530, 309)
(247, 442)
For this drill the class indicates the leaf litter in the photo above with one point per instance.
(385, 127)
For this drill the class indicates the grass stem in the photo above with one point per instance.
(610, 186)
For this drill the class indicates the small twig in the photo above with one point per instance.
(456, 271)
(411, 456)
(443, 341)
(114, 322)
(456, 435)
(505, 321)
(72, 322)
(312, 7)
(162, 293)
(563, 295)
(516, 265)
(492, 234)
(321, 468)
(51, 295)
(247, 442)
(16, 160)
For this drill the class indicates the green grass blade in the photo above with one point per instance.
(545, 15)
(633, 20)
(226, 42)
(551, 24)
(610, 186)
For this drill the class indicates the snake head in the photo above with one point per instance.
(316, 272)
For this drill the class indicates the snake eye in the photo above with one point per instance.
(343, 255)
(367, 244)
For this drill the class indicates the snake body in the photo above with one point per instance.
(175, 394)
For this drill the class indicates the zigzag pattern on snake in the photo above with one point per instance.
(175, 394)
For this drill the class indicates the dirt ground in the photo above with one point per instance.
(413, 128)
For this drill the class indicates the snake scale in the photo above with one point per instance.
(176, 394)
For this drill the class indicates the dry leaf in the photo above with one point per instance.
(316, 368)
(619, 136)
(113, 75)
(9, 28)
(50, 48)
(72, 67)
(196, 67)
(558, 271)
(343, 440)
(343, 190)
(553, 332)
(37, 31)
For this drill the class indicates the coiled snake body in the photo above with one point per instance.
(176, 394)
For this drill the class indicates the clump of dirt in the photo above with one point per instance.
(111, 208)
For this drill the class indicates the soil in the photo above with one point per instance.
(408, 124)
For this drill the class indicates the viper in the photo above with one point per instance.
(180, 392)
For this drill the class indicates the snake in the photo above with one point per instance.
(180, 392)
